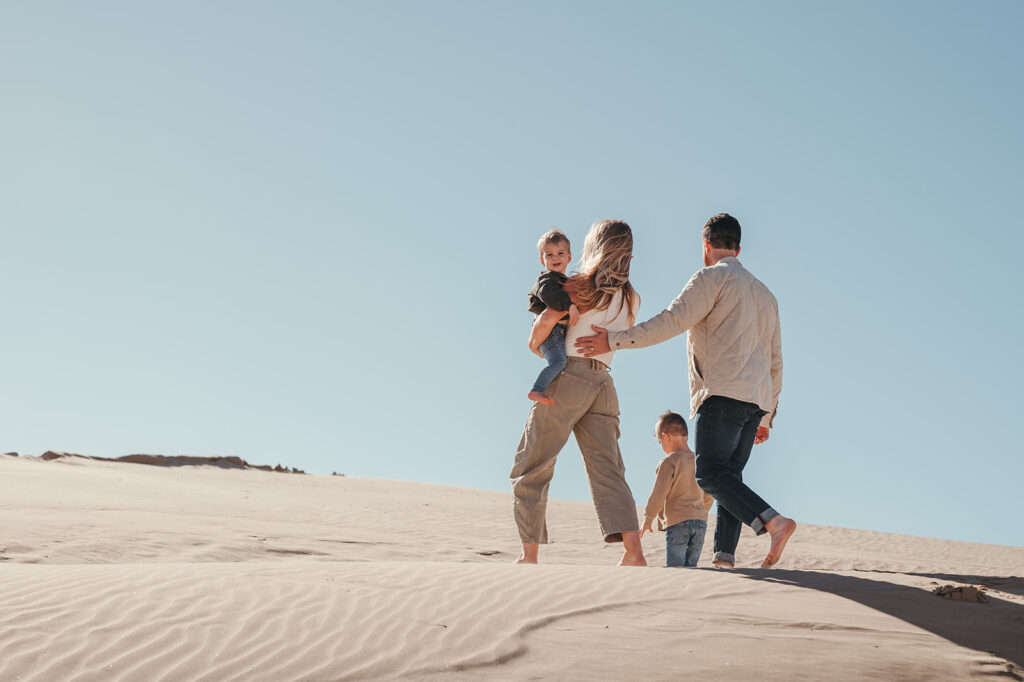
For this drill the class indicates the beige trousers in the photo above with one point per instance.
(585, 405)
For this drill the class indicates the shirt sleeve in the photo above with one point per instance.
(656, 501)
(554, 295)
(776, 372)
(690, 307)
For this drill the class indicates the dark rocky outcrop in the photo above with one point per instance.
(961, 593)
(57, 454)
(176, 461)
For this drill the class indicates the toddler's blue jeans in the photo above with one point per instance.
(553, 349)
(683, 542)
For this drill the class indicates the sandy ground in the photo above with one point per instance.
(113, 571)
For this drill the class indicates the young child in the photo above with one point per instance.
(679, 505)
(551, 305)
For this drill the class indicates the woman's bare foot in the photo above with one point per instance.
(633, 551)
(529, 555)
(540, 398)
(630, 559)
(780, 528)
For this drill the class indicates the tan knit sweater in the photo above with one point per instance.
(676, 496)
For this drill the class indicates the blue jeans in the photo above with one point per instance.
(553, 349)
(725, 435)
(683, 543)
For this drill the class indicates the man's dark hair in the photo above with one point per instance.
(722, 232)
(671, 423)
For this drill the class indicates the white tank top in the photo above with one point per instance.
(611, 318)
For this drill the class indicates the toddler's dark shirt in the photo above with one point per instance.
(549, 292)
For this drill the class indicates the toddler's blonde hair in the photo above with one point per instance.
(555, 236)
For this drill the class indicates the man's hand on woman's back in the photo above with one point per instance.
(594, 345)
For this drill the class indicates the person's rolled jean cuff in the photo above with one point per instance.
(759, 523)
(726, 557)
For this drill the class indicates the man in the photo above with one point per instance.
(734, 355)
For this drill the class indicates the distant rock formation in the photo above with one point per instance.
(177, 461)
(57, 454)
(10, 454)
(184, 460)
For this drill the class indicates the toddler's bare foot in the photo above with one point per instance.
(540, 398)
(780, 528)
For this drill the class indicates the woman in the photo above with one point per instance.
(585, 405)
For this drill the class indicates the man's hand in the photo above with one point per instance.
(646, 529)
(762, 434)
(594, 345)
(574, 315)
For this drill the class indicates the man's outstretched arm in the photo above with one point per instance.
(690, 307)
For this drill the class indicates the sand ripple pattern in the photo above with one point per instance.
(126, 572)
(289, 621)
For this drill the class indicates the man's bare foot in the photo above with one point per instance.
(529, 555)
(722, 564)
(540, 398)
(780, 528)
(633, 551)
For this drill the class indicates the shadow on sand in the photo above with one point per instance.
(996, 628)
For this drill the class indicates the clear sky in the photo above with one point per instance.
(304, 232)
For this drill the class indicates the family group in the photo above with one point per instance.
(734, 363)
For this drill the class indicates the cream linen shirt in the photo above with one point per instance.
(734, 345)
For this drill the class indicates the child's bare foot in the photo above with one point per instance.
(540, 398)
(780, 528)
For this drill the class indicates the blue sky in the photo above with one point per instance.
(304, 233)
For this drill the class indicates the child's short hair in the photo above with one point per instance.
(552, 237)
(671, 423)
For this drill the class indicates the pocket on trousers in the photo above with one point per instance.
(607, 401)
(678, 534)
(568, 391)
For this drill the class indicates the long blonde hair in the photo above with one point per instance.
(604, 269)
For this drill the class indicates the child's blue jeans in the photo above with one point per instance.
(683, 543)
(553, 349)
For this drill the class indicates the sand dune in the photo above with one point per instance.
(116, 571)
